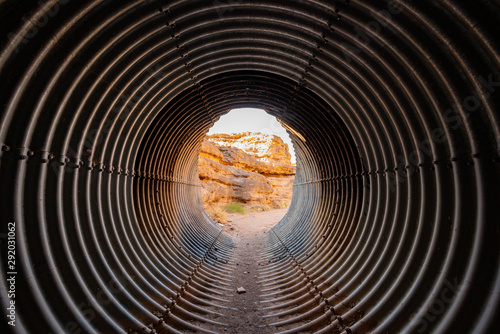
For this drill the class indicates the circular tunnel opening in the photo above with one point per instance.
(246, 167)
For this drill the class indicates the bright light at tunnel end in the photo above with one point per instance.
(253, 120)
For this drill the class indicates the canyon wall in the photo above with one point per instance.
(254, 169)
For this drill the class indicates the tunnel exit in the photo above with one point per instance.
(247, 167)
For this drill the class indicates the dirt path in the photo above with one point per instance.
(249, 231)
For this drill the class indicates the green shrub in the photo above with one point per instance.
(235, 208)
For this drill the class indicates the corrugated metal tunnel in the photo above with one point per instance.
(393, 108)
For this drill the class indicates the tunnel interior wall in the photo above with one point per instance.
(393, 110)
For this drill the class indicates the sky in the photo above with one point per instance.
(253, 120)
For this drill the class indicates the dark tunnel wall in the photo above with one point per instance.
(393, 110)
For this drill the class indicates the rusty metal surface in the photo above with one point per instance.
(393, 107)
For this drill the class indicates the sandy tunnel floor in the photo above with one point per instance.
(249, 232)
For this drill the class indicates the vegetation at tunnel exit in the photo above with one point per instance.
(235, 208)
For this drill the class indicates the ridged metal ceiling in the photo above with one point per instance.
(393, 108)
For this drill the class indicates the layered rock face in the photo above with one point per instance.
(251, 168)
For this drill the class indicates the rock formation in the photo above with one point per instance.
(251, 168)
